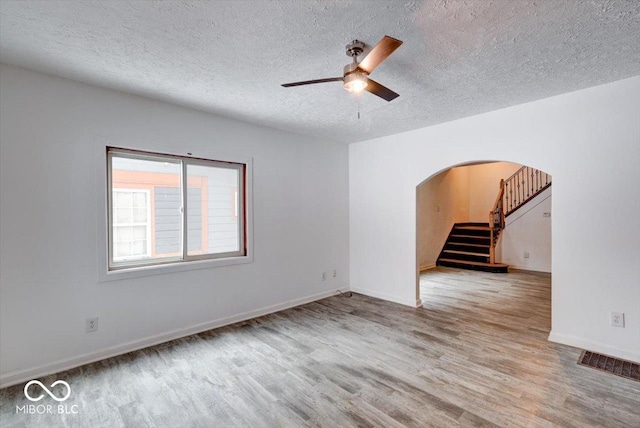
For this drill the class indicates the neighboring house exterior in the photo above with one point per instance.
(147, 210)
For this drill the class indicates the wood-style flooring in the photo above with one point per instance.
(476, 355)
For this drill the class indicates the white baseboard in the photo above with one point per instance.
(589, 345)
(536, 272)
(525, 268)
(19, 376)
(389, 297)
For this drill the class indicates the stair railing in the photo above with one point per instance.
(522, 186)
(496, 221)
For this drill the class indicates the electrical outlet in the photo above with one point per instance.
(91, 324)
(547, 214)
(526, 254)
(324, 276)
(335, 273)
(617, 319)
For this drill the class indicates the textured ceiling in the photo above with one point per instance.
(459, 58)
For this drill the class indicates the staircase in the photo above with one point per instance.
(472, 245)
(468, 246)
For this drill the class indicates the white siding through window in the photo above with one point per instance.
(131, 224)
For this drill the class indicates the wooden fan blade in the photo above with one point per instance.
(311, 82)
(379, 53)
(382, 91)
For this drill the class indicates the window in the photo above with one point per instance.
(131, 226)
(170, 209)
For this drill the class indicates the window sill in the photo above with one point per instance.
(143, 271)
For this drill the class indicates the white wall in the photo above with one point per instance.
(50, 131)
(588, 140)
(528, 230)
(442, 201)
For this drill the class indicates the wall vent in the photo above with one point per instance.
(616, 366)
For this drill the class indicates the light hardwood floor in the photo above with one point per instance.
(476, 355)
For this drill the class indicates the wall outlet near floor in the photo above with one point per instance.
(324, 276)
(91, 324)
(617, 319)
(526, 254)
(335, 273)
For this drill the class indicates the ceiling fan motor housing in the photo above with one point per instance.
(352, 69)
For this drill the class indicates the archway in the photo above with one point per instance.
(457, 201)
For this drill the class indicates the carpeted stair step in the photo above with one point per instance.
(465, 256)
(484, 231)
(472, 248)
(469, 239)
(469, 247)
(485, 267)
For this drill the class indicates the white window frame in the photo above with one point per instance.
(240, 169)
(103, 181)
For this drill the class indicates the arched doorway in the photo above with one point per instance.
(454, 229)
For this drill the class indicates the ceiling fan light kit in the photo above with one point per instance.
(355, 77)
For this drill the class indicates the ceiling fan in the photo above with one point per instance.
(356, 74)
